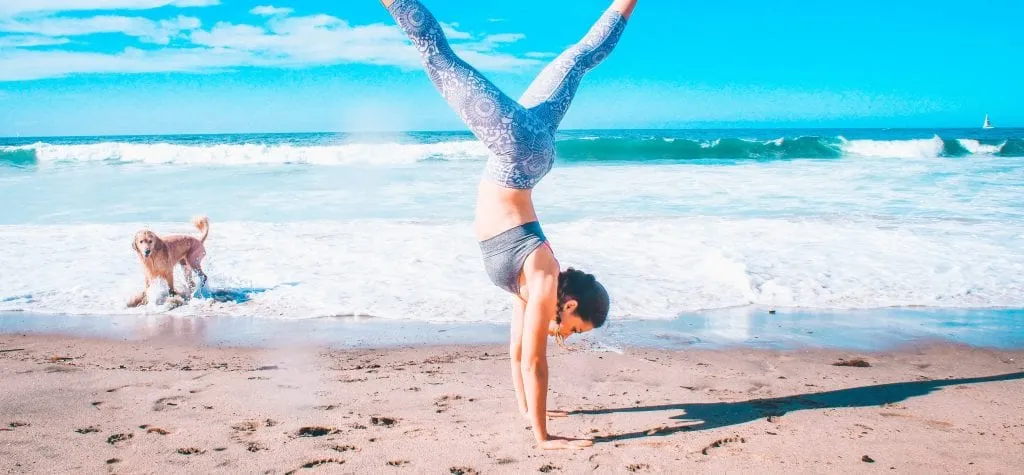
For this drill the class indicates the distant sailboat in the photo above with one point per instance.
(987, 124)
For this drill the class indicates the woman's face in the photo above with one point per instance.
(570, 323)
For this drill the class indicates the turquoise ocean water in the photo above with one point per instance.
(684, 226)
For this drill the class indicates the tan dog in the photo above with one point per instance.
(159, 255)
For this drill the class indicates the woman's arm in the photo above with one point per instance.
(515, 352)
(541, 271)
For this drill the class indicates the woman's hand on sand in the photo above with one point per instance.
(562, 443)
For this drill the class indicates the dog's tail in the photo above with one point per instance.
(202, 223)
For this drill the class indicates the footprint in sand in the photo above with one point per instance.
(87, 430)
(344, 448)
(444, 403)
(637, 467)
(463, 471)
(167, 403)
(246, 426)
(251, 425)
(398, 463)
(316, 463)
(547, 468)
(191, 451)
(721, 442)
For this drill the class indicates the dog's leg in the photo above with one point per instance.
(202, 275)
(137, 300)
(140, 299)
(195, 262)
(169, 278)
(175, 302)
(187, 270)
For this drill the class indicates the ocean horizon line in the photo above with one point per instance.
(467, 132)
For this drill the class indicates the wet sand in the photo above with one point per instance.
(91, 405)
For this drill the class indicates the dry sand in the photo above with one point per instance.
(94, 406)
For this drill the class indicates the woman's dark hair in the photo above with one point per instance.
(591, 297)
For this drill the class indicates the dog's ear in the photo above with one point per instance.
(135, 244)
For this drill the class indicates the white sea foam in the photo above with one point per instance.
(919, 148)
(392, 153)
(654, 268)
(977, 148)
(243, 154)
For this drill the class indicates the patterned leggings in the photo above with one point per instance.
(520, 135)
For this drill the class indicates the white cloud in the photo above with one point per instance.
(539, 55)
(267, 10)
(17, 7)
(323, 39)
(317, 39)
(147, 30)
(21, 65)
(283, 41)
(28, 41)
(452, 33)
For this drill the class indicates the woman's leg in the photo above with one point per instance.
(480, 104)
(550, 95)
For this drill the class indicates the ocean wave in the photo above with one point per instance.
(1012, 148)
(246, 154)
(581, 150)
(610, 149)
(655, 268)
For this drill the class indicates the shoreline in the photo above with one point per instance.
(87, 404)
(747, 327)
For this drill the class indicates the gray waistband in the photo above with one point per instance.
(505, 254)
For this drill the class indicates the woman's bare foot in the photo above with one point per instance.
(387, 3)
(561, 443)
(624, 7)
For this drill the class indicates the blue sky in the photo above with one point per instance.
(85, 67)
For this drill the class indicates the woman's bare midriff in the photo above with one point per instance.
(499, 209)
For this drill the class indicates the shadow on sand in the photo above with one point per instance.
(705, 416)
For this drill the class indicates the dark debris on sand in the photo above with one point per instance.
(118, 438)
(383, 421)
(854, 363)
(316, 431)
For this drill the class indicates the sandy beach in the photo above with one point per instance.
(163, 406)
